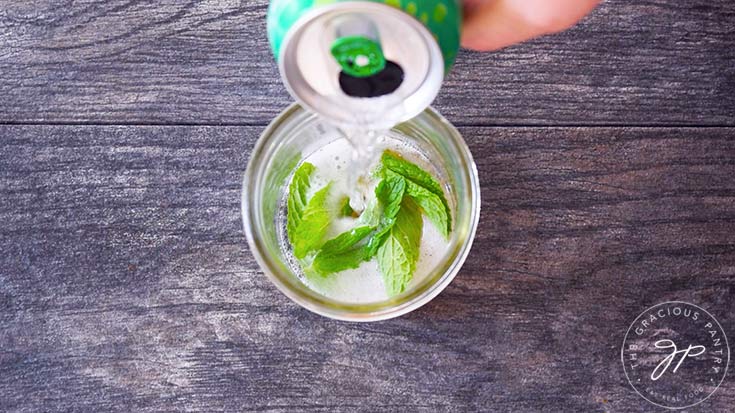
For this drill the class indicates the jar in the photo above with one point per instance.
(296, 133)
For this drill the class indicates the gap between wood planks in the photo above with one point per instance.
(458, 124)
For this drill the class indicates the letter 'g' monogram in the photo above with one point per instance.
(691, 351)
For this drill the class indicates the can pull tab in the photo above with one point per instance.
(358, 56)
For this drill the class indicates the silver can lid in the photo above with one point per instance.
(312, 75)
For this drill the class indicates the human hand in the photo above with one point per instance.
(494, 24)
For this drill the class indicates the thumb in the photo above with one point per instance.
(492, 25)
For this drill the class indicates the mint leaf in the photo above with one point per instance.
(297, 191)
(284, 163)
(371, 215)
(345, 210)
(342, 252)
(345, 241)
(397, 256)
(432, 206)
(410, 171)
(307, 222)
(377, 240)
(422, 188)
(310, 231)
(389, 194)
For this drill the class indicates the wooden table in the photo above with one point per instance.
(607, 161)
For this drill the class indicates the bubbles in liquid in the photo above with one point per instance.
(348, 162)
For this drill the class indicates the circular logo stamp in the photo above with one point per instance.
(675, 355)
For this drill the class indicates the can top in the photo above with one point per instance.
(361, 64)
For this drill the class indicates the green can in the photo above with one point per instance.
(374, 63)
(443, 18)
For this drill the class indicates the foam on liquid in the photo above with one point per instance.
(347, 163)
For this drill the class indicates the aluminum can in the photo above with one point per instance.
(370, 63)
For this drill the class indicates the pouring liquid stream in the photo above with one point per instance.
(366, 146)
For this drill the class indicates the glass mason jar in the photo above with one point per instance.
(296, 133)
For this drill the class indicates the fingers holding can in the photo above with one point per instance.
(495, 24)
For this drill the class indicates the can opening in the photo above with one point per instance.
(382, 83)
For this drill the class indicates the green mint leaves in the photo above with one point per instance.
(307, 222)
(297, 197)
(351, 248)
(422, 188)
(343, 252)
(389, 229)
(399, 252)
(397, 241)
(389, 194)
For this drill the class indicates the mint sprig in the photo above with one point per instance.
(389, 229)
(389, 194)
(347, 250)
(422, 188)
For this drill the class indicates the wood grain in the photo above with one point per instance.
(659, 62)
(126, 283)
